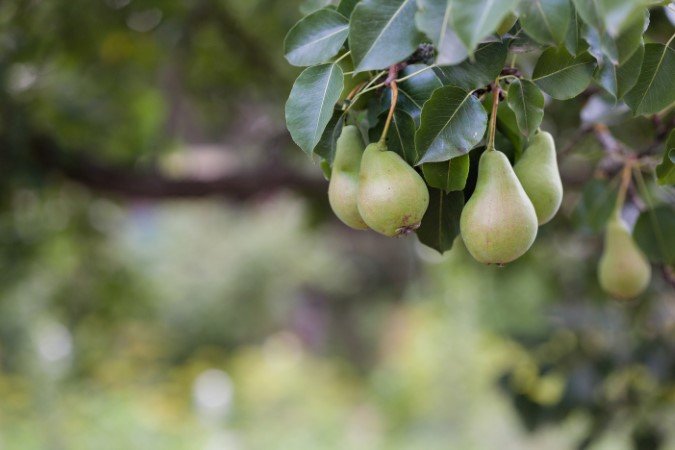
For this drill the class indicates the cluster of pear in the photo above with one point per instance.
(375, 188)
(624, 271)
(499, 222)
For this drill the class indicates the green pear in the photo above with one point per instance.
(392, 196)
(624, 271)
(498, 223)
(344, 181)
(538, 173)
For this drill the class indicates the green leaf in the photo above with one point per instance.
(453, 122)
(316, 38)
(618, 80)
(433, 19)
(654, 90)
(346, 7)
(627, 73)
(573, 41)
(527, 102)
(400, 137)
(473, 20)
(561, 75)
(611, 16)
(665, 172)
(310, 106)
(415, 91)
(488, 63)
(507, 124)
(382, 33)
(546, 21)
(447, 175)
(617, 49)
(326, 146)
(310, 6)
(440, 225)
(630, 40)
(596, 205)
(655, 234)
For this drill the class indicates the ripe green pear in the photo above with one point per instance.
(498, 223)
(624, 271)
(538, 173)
(392, 196)
(344, 181)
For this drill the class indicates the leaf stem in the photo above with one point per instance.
(496, 89)
(392, 108)
(670, 40)
(367, 88)
(354, 91)
(400, 80)
(371, 86)
(342, 57)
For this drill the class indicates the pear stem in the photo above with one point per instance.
(342, 57)
(392, 108)
(623, 188)
(496, 89)
(353, 92)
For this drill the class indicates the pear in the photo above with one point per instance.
(498, 223)
(624, 271)
(538, 173)
(392, 196)
(344, 181)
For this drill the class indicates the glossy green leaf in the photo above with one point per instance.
(655, 89)
(326, 146)
(617, 49)
(546, 21)
(310, 106)
(654, 232)
(346, 7)
(527, 102)
(316, 38)
(440, 225)
(574, 43)
(447, 175)
(433, 19)
(665, 172)
(489, 60)
(382, 33)
(453, 122)
(611, 16)
(630, 40)
(507, 124)
(473, 20)
(310, 6)
(627, 73)
(561, 75)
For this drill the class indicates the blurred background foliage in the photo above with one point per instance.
(170, 276)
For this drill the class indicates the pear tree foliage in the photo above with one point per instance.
(448, 59)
